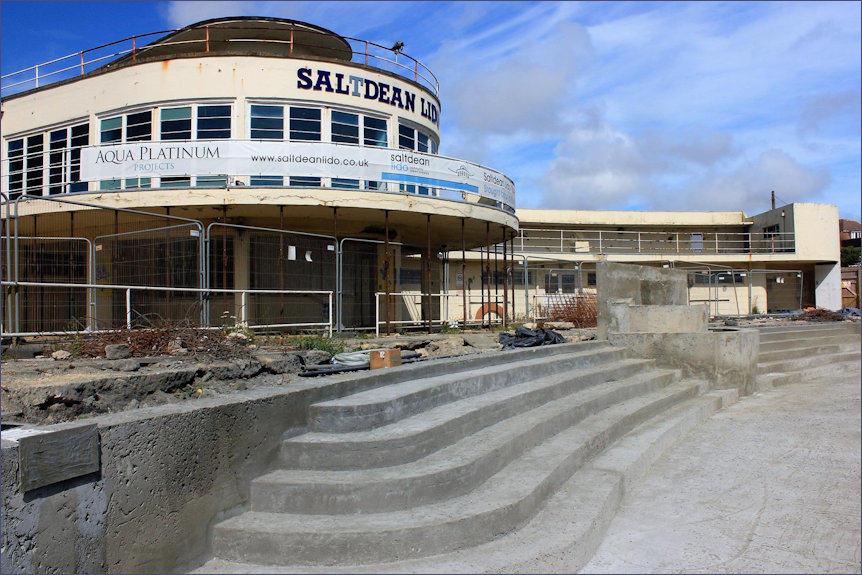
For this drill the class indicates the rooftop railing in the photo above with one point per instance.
(652, 242)
(135, 47)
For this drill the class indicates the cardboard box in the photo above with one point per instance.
(385, 358)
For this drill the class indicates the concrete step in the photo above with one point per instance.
(598, 488)
(794, 332)
(502, 503)
(417, 436)
(803, 341)
(354, 383)
(803, 363)
(811, 348)
(449, 472)
(383, 405)
(827, 367)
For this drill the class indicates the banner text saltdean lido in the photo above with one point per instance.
(338, 83)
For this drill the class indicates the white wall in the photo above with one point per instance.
(827, 286)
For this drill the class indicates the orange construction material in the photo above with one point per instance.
(385, 358)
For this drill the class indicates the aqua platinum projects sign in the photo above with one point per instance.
(321, 160)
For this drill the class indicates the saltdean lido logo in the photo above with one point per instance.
(462, 171)
(357, 86)
(407, 162)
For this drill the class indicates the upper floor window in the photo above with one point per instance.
(47, 162)
(200, 122)
(305, 124)
(135, 127)
(213, 122)
(410, 138)
(176, 123)
(345, 127)
(267, 122)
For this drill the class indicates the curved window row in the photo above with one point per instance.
(48, 162)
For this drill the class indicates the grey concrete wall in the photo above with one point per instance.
(166, 474)
(640, 285)
(726, 358)
(657, 318)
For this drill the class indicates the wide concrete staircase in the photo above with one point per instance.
(456, 453)
(799, 353)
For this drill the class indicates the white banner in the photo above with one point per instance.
(263, 158)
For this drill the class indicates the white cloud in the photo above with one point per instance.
(181, 14)
(596, 167)
(750, 185)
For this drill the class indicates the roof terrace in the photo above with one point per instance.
(239, 36)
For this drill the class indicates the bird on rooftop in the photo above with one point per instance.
(399, 45)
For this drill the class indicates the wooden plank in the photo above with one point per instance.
(55, 456)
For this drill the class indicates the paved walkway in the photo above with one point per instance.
(768, 485)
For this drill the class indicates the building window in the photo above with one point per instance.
(15, 153)
(210, 122)
(139, 127)
(410, 138)
(126, 128)
(406, 137)
(305, 124)
(345, 128)
(771, 231)
(176, 123)
(29, 156)
(267, 122)
(35, 161)
(213, 122)
(375, 132)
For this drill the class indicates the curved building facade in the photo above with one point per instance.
(244, 155)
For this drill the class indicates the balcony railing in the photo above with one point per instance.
(79, 63)
(652, 242)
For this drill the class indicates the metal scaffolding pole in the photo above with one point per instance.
(505, 282)
(463, 274)
(428, 269)
(386, 269)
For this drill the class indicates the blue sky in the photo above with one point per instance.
(620, 105)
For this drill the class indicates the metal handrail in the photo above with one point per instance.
(417, 71)
(593, 241)
(205, 291)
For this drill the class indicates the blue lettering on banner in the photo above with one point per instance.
(428, 181)
(357, 86)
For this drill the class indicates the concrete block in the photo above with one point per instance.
(55, 456)
(728, 358)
